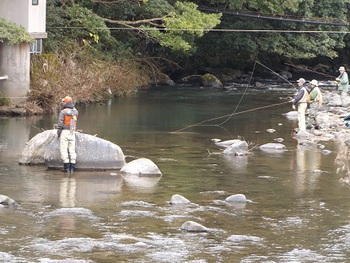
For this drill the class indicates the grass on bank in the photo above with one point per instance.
(84, 78)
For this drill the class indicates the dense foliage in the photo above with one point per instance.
(12, 33)
(274, 31)
(196, 34)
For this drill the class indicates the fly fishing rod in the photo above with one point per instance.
(274, 72)
(314, 71)
(229, 116)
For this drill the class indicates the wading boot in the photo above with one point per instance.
(71, 167)
(66, 167)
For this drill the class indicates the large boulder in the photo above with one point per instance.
(141, 166)
(210, 80)
(33, 152)
(93, 153)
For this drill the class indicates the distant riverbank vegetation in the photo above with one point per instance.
(101, 48)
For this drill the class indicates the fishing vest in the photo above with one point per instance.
(70, 119)
(306, 96)
(314, 93)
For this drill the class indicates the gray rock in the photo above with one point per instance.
(237, 198)
(179, 200)
(273, 147)
(191, 226)
(141, 166)
(226, 143)
(210, 80)
(238, 148)
(33, 152)
(7, 201)
(93, 153)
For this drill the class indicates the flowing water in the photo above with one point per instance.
(300, 211)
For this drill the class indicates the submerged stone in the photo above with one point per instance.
(191, 226)
(273, 147)
(237, 198)
(237, 148)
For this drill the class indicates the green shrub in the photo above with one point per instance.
(3, 100)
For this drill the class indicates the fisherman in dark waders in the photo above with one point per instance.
(316, 101)
(66, 133)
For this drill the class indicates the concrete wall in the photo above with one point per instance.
(22, 12)
(15, 63)
(16, 11)
(15, 60)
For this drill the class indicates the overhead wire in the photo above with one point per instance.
(213, 30)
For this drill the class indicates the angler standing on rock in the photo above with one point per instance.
(67, 120)
(342, 83)
(300, 103)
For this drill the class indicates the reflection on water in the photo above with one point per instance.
(300, 211)
(68, 190)
(145, 184)
(307, 166)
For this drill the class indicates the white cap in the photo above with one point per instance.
(301, 80)
(342, 68)
(314, 82)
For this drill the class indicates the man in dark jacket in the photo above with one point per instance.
(66, 132)
(300, 103)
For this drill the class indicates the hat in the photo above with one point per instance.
(301, 80)
(342, 68)
(67, 99)
(314, 82)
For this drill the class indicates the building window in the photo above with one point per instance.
(35, 2)
(36, 47)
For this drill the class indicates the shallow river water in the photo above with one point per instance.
(300, 211)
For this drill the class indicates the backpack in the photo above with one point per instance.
(70, 119)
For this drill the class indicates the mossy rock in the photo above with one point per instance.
(210, 80)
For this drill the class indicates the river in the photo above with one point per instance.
(300, 211)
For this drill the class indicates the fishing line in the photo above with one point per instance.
(314, 71)
(229, 116)
(274, 72)
(240, 100)
(236, 113)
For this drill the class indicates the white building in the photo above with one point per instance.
(15, 59)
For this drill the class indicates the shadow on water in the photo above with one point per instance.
(300, 211)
